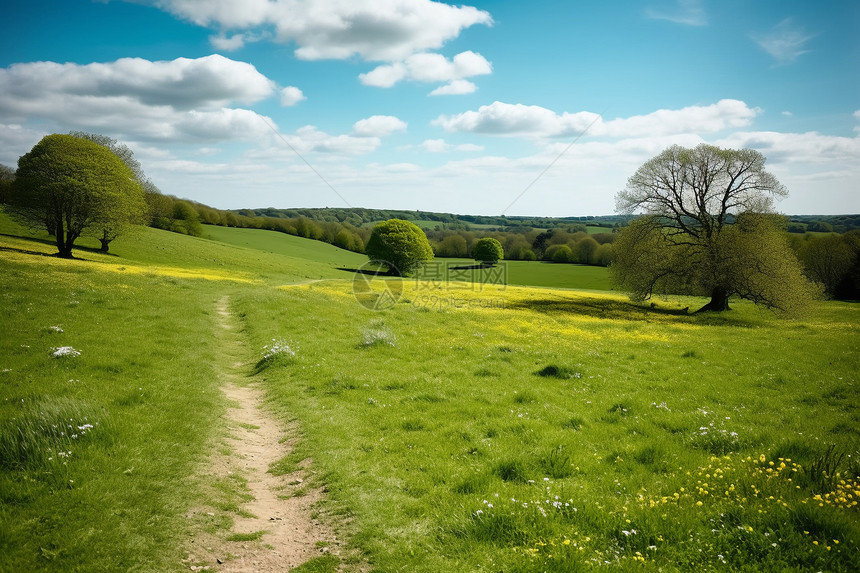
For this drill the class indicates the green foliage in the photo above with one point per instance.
(400, 245)
(488, 250)
(172, 214)
(559, 254)
(72, 185)
(685, 243)
(764, 269)
(834, 262)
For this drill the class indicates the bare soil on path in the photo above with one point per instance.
(280, 506)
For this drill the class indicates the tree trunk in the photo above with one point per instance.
(105, 243)
(65, 242)
(719, 301)
(64, 247)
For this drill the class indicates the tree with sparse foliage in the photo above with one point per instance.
(400, 245)
(686, 242)
(72, 185)
(488, 251)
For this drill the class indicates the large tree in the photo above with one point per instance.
(707, 230)
(73, 185)
(135, 210)
(400, 245)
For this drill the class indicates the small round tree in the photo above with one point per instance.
(400, 245)
(488, 251)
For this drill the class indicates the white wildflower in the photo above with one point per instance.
(64, 351)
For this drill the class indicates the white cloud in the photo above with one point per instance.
(441, 146)
(185, 99)
(787, 113)
(291, 95)
(505, 119)
(713, 118)
(15, 140)
(227, 44)
(786, 42)
(457, 87)
(798, 148)
(429, 68)
(309, 139)
(382, 30)
(384, 76)
(435, 145)
(378, 126)
(688, 12)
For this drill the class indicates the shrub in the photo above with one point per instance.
(400, 245)
(488, 251)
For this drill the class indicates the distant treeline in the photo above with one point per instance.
(829, 257)
(823, 223)
(563, 240)
(444, 221)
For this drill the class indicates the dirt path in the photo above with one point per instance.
(282, 506)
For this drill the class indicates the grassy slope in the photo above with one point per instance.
(453, 415)
(146, 380)
(110, 497)
(449, 416)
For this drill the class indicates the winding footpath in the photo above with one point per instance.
(281, 506)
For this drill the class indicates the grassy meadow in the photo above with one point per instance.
(470, 427)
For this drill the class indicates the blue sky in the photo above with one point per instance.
(521, 108)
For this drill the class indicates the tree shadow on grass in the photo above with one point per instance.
(477, 266)
(368, 272)
(621, 310)
(51, 243)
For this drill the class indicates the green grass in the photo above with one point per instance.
(98, 452)
(287, 245)
(230, 254)
(552, 430)
(523, 273)
(555, 400)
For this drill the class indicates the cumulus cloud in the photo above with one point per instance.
(505, 119)
(291, 95)
(688, 12)
(457, 87)
(381, 30)
(15, 140)
(378, 126)
(785, 42)
(227, 43)
(182, 98)
(430, 68)
(310, 139)
(797, 148)
(713, 118)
